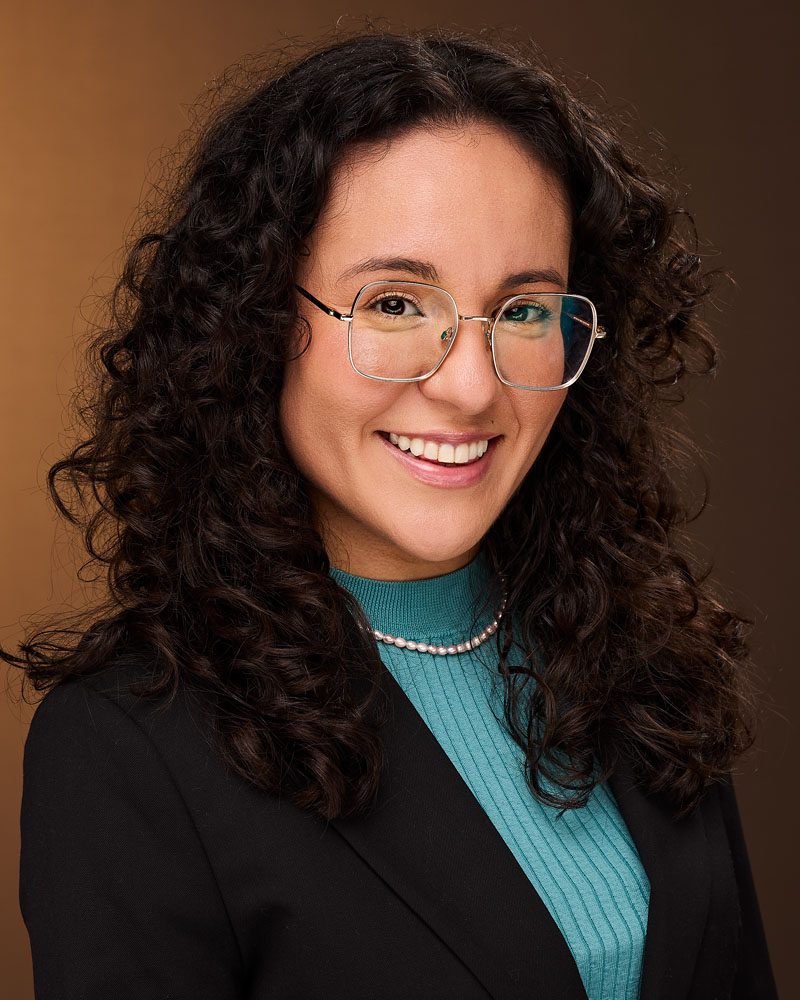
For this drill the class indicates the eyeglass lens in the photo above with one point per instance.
(401, 330)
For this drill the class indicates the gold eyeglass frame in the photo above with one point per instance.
(598, 332)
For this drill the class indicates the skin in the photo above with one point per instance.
(477, 206)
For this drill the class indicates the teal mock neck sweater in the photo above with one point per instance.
(583, 865)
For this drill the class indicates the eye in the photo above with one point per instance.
(526, 312)
(392, 304)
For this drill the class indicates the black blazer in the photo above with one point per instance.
(150, 871)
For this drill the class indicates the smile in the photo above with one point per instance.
(442, 454)
(435, 472)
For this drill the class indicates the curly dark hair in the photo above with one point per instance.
(191, 506)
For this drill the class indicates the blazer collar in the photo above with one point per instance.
(430, 840)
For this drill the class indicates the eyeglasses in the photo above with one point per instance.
(401, 331)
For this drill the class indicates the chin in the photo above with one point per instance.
(418, 550)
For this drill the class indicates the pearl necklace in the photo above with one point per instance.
(459, 647)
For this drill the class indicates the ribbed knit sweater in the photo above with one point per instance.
(584, 864)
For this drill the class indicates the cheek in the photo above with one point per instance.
(537, 417)
(307, 381)
(325, 415)
(307, 415)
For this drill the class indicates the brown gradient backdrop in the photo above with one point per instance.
(92, 94)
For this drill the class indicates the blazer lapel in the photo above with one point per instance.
(432, 843)
(429, 839)
(675, 856)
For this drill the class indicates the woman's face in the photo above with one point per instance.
(475, 208)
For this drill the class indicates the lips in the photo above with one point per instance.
(448, 476)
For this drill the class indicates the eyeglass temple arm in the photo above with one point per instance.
(601, 330)
(321, 305)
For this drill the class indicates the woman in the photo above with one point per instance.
(403, 688)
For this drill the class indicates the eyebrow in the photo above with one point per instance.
(427, 271)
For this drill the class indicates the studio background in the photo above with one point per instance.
(93, 95)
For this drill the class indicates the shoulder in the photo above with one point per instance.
(116, 884)
(96, 729)
(94, 738)
(103, 767)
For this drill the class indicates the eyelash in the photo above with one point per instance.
(405, 297)
(391, 295)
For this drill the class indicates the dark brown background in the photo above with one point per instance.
(93, 93)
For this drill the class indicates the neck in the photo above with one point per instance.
(442, 607)
(383, 566)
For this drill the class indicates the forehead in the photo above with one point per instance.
(471, 197)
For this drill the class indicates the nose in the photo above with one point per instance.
(450, 332)
(466, 383)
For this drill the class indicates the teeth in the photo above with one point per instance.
(446, 453)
